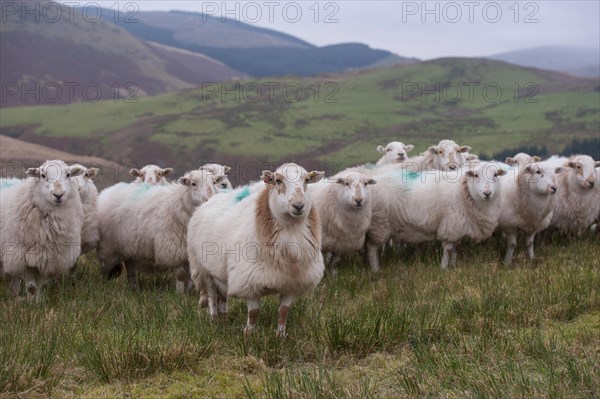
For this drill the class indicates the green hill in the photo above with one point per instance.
(352, 114)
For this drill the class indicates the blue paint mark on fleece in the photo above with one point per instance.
(245, 192)
(9, 183)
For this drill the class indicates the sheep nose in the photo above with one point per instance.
(298, 206)
(224, 185)
(358, 202)
(592, 184)
(553, 188)
(401, 157)
(452, 167)
(58, 195)
(487, 194)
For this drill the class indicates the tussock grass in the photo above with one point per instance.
(480, 330)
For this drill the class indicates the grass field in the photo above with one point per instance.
(352, 113)
(478, 331)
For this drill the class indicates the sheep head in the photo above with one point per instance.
(55, 180)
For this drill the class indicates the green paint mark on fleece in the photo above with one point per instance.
(242, 194)
(412, 175)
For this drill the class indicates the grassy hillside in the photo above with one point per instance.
(477, 331)
(353, 113)
(97, 53)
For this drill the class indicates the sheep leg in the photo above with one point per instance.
(15, 285)
(447, 249)
(115, 271)
(285, 302)
(222, 303)
(131, 275)
(530, 240)
(372, 257)
(453, 256)
(212, 294)
(182, 277)
(253, 310)
(32, 286)
(511, 241)
(333, 265)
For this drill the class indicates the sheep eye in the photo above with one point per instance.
(389, 149)
(538, 172)
(578, 166)
(347, 183)
(278, 181)
(194, 184)
(43, 176)
(441, 152)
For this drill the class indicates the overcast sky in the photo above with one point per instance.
(414, 28)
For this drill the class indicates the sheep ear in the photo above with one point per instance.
(92, 172)
(558, 170)
(597, 164)
(433, 149)
(473, 157)
(340, 180)
(529, 169)
(501, 172)
(409, 147)
(464, 148)
(76, 170)
(535, 158)
(166, 171)
(381, 149)
(571, 164)
(33, 172)
(226, 168)
(184, 180)
(371, 181)
(267, 177)
(470, 173)
(315, 176)
(135, 173)
(511, 161)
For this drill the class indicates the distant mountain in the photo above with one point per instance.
(489, 105)
(259, 52)
(72, 60)
(578, 61)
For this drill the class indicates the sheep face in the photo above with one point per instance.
(151, 174)
(448, 155)
(354, 191)
(582, 167)
(85, 179)
(200, 184)
(541, 178)
(220, 172)
(522, 159)
(54, 180)
(395, 151)
(482, 181)
(289, 195)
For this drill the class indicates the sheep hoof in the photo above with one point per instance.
(203, 301)
(248, 330)
(281, 333)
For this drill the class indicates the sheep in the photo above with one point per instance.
(40, 226)
(416, 207)
(522, 159)
(269, 242)
(89, 198)
(151, 174)
(220, 172)
(527, 202)
(446, 155)
(393, 152)
(344, 206)
(145, 226)
(578, 199)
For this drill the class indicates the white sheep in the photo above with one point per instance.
(145, 226)
(220, 172)
(268, 242)
(446, 155)
(527, 202)
(40, 226)
(578, 199)
(416, 207)
(151, 174)
(394, 152)
(88, 193)
(344, 206)
(522, 159)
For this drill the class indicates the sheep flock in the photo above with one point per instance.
(282, 233)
